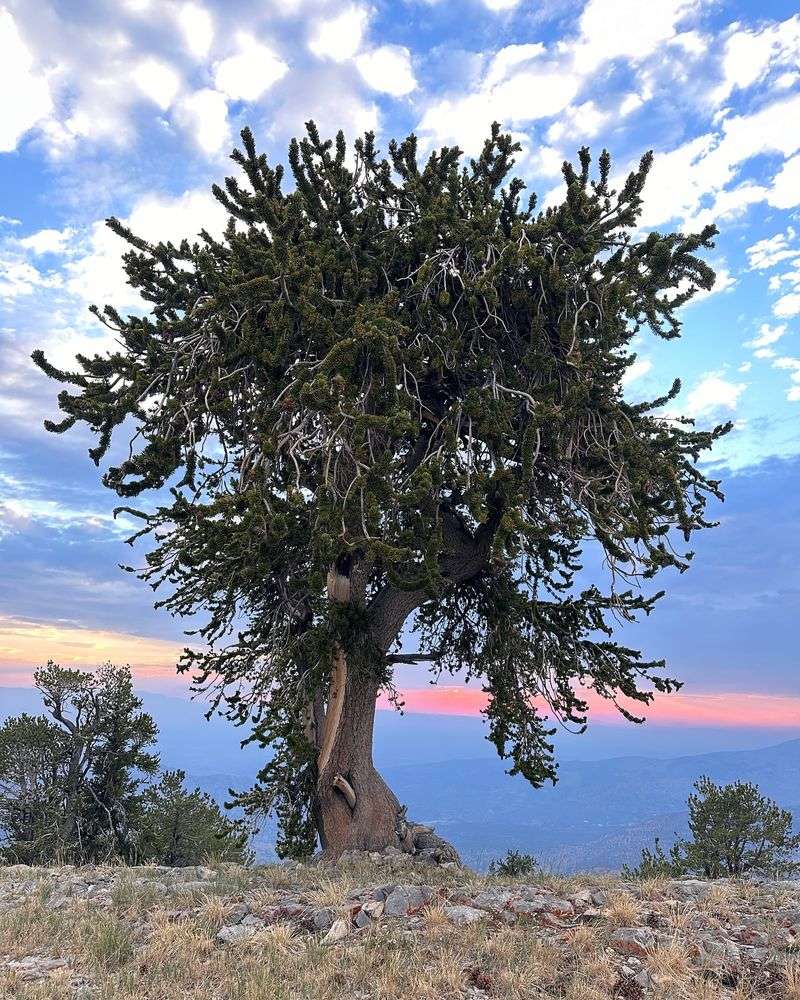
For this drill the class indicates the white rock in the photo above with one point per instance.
(233, 934)
(339, 929)
(463, 915)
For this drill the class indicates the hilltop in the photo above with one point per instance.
(386, 926)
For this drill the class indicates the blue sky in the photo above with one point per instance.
(131, 109)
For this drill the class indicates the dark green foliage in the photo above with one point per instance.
(655, 864)
(401, 367)
(183, 828)
(33, 761)
(734, 831)
(107, 740)
(72, 786)
(515, 864)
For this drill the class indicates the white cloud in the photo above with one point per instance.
(26, 94)
(785, 190)
(583, 121)
(793, 395)
(787, 305)
(630, 103)
(197, 26)
(508, 58)
(713, 392)
(613, 28)
(786, 80)
(767, 253)
(205, 114)
(18, 277)
(388, 69)
(48, 240)
(500, 5)
(339, 38)
(639, 368)
(751, 53)
(745, 367)
(518, 87)
(764, 131)
(545, 161)
(158, 81)
(767, 335)
(253, 70)
(702, 168)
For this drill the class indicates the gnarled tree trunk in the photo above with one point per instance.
(354, 808)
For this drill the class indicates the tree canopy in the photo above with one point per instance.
(397, 389)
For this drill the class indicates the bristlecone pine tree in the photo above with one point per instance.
(397, 390)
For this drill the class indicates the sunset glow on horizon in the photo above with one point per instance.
(718, 708)
(25, 644)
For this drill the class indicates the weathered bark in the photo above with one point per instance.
(371, 823)
(355, 809)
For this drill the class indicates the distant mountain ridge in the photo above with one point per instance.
(600, 813)
(598, 816)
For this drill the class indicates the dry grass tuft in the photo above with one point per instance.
(623, 909)
(654, 888)
(586, 940)
(332, 892)
(670, 965)
(140, 949)
(107, 941)
(792, 977)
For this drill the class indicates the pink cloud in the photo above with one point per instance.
(730, 708)
(25, 644)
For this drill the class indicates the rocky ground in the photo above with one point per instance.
(389, 927)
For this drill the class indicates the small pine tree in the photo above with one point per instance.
(735, 831)
(182, 828)
(654, 864)
(107, 738)
(33, 763)
(513, 865)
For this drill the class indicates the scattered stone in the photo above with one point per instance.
(636, 941)
(235, 933)
(323, 918)
(339, 930)
(373, 908)
(463, 915)
(493, 900)
(526, 905)
(238, 912)
(34, 967)
(558, 907)
(718, 955)
(403, 900)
